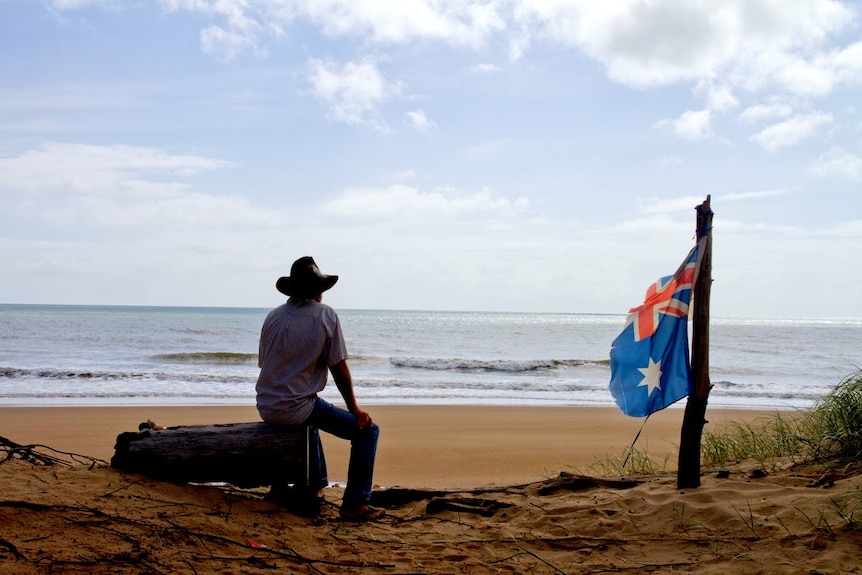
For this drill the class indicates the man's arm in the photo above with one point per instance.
(341, 374)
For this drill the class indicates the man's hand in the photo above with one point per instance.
(341, 375)
(363, 419)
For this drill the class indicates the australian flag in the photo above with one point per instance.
(649, 359)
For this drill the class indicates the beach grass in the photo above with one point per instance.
(632, 460)
(834, 428)
(769, 441)
(831, 430)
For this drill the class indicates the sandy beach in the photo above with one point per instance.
(467, 490)
(420, 446)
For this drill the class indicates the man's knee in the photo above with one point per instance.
(372, 432)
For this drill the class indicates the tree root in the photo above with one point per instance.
(43, 455)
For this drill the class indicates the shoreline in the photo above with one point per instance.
(427, 446)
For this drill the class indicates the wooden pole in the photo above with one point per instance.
(688, 470)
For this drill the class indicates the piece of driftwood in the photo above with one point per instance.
(483, 507)
(42, 454)
(241, 454)
(572, 482)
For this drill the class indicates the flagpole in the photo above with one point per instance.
(688, 474)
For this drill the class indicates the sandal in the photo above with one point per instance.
(363, 513)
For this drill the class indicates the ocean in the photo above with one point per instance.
(129, 356)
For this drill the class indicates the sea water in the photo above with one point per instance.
(104, 355)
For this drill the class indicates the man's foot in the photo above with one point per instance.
(297, 500)
(363, 513)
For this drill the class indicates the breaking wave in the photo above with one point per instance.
(216, 357)
(121, 376)
(491, 365)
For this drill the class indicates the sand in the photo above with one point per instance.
(468, 490)
(420, 446)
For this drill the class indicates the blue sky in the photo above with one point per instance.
(503, 155)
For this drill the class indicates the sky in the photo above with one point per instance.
(496, 155)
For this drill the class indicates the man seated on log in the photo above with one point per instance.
(300, 341)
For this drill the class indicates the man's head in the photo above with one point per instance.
(305, 279)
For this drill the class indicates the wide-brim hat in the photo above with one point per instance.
(305, 279)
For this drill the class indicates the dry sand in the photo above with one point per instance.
(480, 492)
(420, 446)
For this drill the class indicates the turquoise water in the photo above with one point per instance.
(95, 355)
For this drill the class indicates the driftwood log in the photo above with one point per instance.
(241, 454)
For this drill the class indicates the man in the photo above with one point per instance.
(300, 341)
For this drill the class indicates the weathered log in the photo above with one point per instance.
(241, 454)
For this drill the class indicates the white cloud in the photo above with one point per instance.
(744, 196)
(352, 91)
(791, 131)
(458, 23)
(419, 121)
(719, 98)
(691, 125)
(227, 45)
(765, 112)
(685, 205)
(848, 64)
(812, 78)
(757, 43)
(93, 188)
(735, 50)
(401, 200)
(486, 68)
(93, 167)
(519, 43)
(664, 41)
(244, 27)
(838, 162)
(671, 206)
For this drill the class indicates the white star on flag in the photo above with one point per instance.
(652, 376)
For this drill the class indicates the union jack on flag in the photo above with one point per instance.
(663, 297)
(650, 359)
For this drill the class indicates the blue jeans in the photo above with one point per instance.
(363, 450)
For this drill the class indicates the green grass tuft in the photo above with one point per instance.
(633, 461)
(764, 440)
(832, 429)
